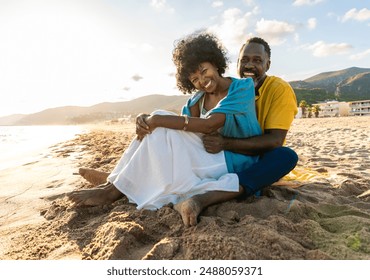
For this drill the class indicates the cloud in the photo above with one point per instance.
(136, 77)
(296, 38)
(145, 47)
(322, 49)
(249, 2)
(158, 4)
(361, 55)
(216, 4)
(361, 15)
(311, 23)
(274, 31)
(161, 5)
(232, 29)
(306, 2)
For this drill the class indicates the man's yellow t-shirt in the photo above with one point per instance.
(276, 104)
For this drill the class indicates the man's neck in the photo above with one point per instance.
(260, 83)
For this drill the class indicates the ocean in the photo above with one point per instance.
(23, 144)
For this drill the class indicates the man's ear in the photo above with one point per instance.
(268, 64)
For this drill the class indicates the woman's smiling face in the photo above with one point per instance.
(206, 78)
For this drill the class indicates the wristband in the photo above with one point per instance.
(186, 122)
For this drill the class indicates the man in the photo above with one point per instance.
(276, 107)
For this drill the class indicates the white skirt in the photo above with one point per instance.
(169, 166)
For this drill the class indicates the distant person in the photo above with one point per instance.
(167, 163)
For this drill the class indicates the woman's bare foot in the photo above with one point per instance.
(106, 194)
(189, 211)
(191, 208)
(95, 177)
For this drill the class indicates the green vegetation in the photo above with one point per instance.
(346, 85)
(316, 110)
(303, 105)
(312, 96)
(354, 242)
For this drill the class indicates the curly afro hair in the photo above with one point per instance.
(193, 50)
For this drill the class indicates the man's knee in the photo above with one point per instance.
(284, 156)
(290, 156)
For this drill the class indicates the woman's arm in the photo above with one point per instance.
(145, 123)
(193, 124)
(142, 128)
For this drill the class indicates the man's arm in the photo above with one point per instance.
(272, 138)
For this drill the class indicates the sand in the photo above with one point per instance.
(321, 211)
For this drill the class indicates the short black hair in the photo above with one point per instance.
(191, 51)
(260, 41)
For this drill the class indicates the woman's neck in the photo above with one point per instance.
(223, 87)
(211, 99)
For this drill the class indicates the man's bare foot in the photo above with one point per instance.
(95, 177)
(189, 211)
(102, 195)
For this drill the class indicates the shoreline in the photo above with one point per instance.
(26, 144)
(27, 190)
(326, 218)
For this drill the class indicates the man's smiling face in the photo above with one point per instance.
(253, 62)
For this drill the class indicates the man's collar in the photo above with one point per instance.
(256, 89)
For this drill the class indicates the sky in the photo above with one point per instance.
(82, 52)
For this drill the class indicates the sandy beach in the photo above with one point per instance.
(320, 211)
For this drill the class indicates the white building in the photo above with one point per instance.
(360, 108)
(333, 109)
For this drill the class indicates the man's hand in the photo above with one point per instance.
(213, 143)
(142, 128)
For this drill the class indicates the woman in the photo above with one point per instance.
(170, 164)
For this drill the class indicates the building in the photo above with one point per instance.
(334, 109)
(360, 108)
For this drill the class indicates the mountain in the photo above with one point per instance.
(8, 120)
(344, 85)
(359, 84)
(349, 84)
(100, 112)
(335, 77)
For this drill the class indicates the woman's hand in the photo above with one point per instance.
(142, 127)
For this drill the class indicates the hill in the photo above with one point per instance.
(343, 85)
(335, 77)
(349, 84)
(9, 120)
(103, 111)
(357, 86)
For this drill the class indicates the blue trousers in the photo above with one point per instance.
(270, 167)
